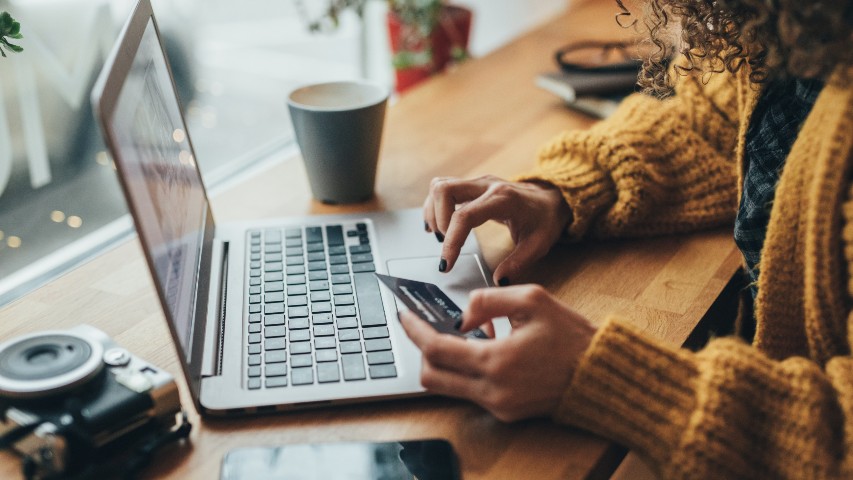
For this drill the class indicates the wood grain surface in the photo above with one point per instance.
(486, 116)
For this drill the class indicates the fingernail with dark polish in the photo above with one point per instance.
(442, 265)
(426, 227)
(457, 325)
(439, 236)
(503, 282)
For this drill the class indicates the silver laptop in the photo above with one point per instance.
(270, 315)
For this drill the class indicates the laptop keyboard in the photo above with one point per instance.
(314, 308)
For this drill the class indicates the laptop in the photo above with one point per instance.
(265, 315)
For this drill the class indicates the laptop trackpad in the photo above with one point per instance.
(466, 275)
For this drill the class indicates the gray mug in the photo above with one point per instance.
(338, 128)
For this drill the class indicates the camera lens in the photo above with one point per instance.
(42, 364)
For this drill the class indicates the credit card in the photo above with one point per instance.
(428, 302)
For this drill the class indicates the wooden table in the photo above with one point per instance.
(484, 117)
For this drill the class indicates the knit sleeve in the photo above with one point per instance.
(654, 167)
(725, 412)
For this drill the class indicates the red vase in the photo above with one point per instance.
(452, 31)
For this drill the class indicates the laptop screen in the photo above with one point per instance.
(161, 180)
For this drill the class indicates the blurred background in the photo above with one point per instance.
(234, 63)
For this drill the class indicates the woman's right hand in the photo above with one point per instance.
(535, 214)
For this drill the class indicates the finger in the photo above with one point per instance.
(528, 250)
(472, 215)
(449, 383)
(442, 350)
(448, 192)
(515, 302)
(429, 213)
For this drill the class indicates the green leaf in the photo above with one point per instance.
(16, 48)
(17, 35)
(15, 30)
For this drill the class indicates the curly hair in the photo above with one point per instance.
(776, 38)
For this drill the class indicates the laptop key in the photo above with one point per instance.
(255, 264)
(273, 277)
(275, 370)
(315, 266)
(361, 258)
(347, 322)
(301, 360)
(351, 347)
(338, 260)
(254, 290)
(383, 371)
(369, 300)
(273, 267)
(255, 318)
(315, 247)
(295, 279)
(293, 232)
(340, 279)
(344, 300)
(328, 373)
(374, 332)
(299, 323)
(272, 257)
(353, 366)
(313, 234)
(329, 355)
(292, 242)
(254, 383)
(297, 301)
(272, 248)
(294, 312)
(363, 267)
(348, 334)
(279, 356)
(318, 275)
(277, 331)
(254, 338)
(254, 328)
(341, 289)
(295, 270)
(321, 318)
(302, 376)
(322, 307)
(345, 311)
(324, 330)
(377, 344)
(274, 297)
(321, 343)
(255, 272)
(275, 382)
(272, 236)
(254, 281)
(275, 344)
(255, 256)
(300, 335)
(296, 290)
(357, 249)
(320, 296)
(254, 360)
(334, 235)
(270, 287)
(293, 251)
(317, 256)
(273, 308)
(361, 226)
(273, 320)
(300, 347)
(294, 260)
(254, 309)
(337, 250)
(379, 358)
(321, 285)
(255, 371)
(339, 269)
(254, 349)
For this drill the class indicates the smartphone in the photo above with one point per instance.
(431, 459)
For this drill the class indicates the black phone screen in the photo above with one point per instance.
(408, 460)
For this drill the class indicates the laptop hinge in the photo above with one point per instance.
(215, 331)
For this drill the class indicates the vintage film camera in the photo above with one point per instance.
(73, 404)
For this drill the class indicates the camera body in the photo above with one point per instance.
(71, 400)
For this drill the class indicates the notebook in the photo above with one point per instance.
(265, 315)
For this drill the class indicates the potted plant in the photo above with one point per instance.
(9, 28)
(426, 36)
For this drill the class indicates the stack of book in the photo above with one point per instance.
(594, 93)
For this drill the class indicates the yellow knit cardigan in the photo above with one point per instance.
(782, 407)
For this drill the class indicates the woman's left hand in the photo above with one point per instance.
(522, 375)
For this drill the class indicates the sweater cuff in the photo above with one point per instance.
(585, 189)
(632, 390)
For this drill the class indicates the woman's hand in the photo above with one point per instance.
(536, 214)
(523, 375)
